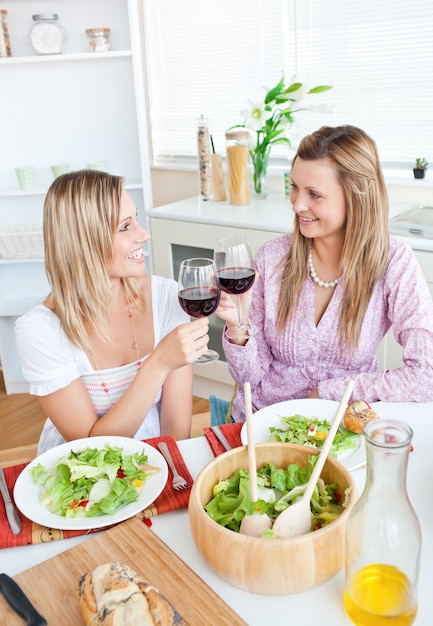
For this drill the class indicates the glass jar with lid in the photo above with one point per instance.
(237, 166)
(99, 39)
(47, 35)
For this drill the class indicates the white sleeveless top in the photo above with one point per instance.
(50, 361)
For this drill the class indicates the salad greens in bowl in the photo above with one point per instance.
(277, 489)
(267, 565)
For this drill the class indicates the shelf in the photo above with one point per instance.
(11, 192)
(15, 192)
(64, 58)
(25, 260)
(63, 108)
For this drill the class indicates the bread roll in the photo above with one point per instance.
(357, 415)
(114, 595)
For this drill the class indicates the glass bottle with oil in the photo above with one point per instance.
(383, 535)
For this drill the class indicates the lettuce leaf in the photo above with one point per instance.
(277, 489)
(310, 431)
(90, 482)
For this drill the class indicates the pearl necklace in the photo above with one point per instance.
(315, 277)
(136, 347)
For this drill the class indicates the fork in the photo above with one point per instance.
(221, 438)
(178, 481)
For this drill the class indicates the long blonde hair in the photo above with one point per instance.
(81, 215)
(366, 243)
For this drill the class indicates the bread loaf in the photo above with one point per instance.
(357, 415)
(114, 595)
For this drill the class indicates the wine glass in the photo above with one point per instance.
(199, 293)
(236, 273)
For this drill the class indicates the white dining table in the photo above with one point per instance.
(321, 605)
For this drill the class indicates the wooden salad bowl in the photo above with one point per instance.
(263, 565)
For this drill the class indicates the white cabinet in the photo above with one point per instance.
(76, 107)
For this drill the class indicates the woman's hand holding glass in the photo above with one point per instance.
(199, 293)
(236, 274)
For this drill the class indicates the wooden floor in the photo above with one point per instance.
(22, 419)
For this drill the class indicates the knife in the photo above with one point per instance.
(19, 602)
(219, 435)
(11, 512)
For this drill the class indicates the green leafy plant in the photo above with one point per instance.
(269, 121)
(421, 164)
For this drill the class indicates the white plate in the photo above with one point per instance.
(27, 492)
(309, 407)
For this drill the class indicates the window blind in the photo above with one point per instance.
(209, 58)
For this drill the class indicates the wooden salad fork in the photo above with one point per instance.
(178, 481)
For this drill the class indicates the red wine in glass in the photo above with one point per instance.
(199, 301)
(236, 274)
(199, 293)
(236, 280)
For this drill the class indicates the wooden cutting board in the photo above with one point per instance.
(51, 585)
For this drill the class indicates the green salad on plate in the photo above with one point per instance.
(311, 431)
(92, 481)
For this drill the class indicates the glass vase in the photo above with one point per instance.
(383, 536)
(259, 159)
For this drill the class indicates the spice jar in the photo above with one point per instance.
(47, 35)
(99, 39)
(204, 160)
(5, 44)
(383, 536)
(237, 166)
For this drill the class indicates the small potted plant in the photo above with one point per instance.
(420, 168)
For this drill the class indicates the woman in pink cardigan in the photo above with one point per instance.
(326, 294)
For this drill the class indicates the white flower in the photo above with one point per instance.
(256, 116)
(270, 120)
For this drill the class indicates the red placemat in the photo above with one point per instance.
(32, 533)
(232, 433)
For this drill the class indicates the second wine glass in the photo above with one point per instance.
(236, 273)
(199, 293)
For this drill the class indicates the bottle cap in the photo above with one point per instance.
(92, 31)
(45, 16)
(237, 134)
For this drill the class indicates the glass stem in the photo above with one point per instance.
(240, 317)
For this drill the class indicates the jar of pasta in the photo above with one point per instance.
(237, 166)
(5, 44)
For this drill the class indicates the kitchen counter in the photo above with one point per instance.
(273, 214)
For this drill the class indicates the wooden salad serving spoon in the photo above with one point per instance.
(256, 523)
(296, 519)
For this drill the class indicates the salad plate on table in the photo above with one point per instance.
(268, 423)
(27, 492)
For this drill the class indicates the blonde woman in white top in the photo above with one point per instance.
(109, 351)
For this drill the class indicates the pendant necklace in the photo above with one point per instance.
(315, 277)
(136, 347)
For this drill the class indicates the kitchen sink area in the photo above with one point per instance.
(415, 222)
